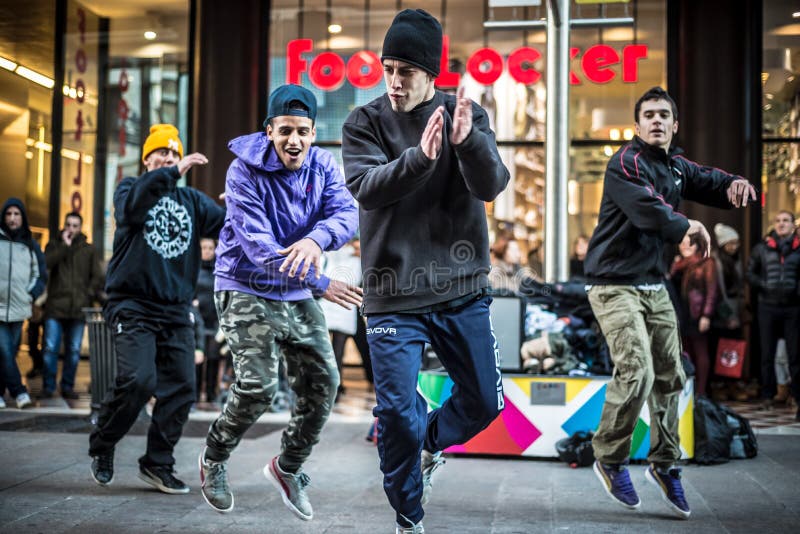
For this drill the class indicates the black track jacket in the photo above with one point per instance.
(638, 213)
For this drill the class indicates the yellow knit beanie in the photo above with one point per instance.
(162, 136)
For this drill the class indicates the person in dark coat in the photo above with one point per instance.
(76, 279)
(774, 271)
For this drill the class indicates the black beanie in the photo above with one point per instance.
(415, 37)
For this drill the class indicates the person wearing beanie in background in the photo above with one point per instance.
(727, 319)
(287, 203)
(150, 284)
(774, 271)
(22, 280)
(421, 164)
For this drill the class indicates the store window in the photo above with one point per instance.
(26, 97)
(781, 110)
(330, 46)
(145, 82)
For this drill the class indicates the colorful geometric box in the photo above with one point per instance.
(565, 405)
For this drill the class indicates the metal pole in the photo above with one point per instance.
(557, 141)
(533, 24)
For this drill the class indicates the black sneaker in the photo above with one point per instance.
(163, 479)
(103, 468)
(69, 394)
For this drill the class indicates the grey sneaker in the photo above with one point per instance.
(429, 463)
(416, 529)
(292, 488)
(214, 484)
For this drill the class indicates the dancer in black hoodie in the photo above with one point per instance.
(421, 165)
(150, 284)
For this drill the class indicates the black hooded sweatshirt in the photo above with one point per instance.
(156, 258)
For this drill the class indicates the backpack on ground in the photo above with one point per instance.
(577, 449)
(743, 443)
(712, 434)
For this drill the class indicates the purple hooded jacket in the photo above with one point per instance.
(271, 207)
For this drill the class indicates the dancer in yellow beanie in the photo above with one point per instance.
(162, 136)
(150, 284)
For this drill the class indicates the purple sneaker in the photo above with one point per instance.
(669, 485)
(617, 483)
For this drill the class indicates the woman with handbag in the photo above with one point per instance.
(698, 291)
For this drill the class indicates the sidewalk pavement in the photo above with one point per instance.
(45, 486)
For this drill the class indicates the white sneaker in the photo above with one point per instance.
(2, 403)
(429, 463)
(416, 529)
(23, 400)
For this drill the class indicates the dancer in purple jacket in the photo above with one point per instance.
(287, 202)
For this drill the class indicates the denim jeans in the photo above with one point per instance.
(71, 330)
(9, 345)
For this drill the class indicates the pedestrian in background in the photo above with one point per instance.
(286, 204)
(20, 284)
(150, 285)
(774, 271)
(505, 276)
(727, 321)
(421, 164)
(343, 264)
(698, 296)
(643, 185)
(76, 280)
(208, 374)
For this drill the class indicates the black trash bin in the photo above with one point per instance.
(102, 357)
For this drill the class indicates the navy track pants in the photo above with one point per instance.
(465, 344)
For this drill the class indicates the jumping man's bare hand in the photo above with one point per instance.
(462, 118)
(431, 142)
(305, 251)
(343, 294)
(190, 161)
(740, 191)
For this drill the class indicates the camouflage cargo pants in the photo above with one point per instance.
(258, 331)
(642, 334)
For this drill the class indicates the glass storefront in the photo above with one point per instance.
(26, 102)
(780, 80)
(136, 66)
(146, 82)
(333, 46)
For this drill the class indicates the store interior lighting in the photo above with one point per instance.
(7, 64)
(335, 28)
(150, 35)
(35, 77)
(27, 73)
